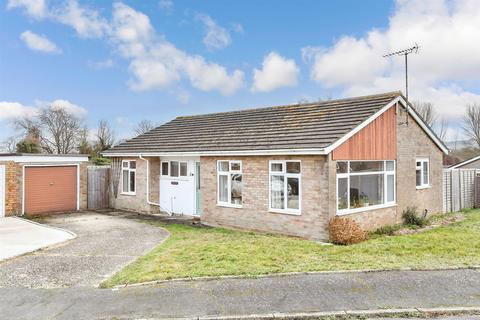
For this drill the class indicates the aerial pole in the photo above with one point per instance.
(405, 53)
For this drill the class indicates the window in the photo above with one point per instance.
(175, 169)
(363, 184)
(128, 177)
(285, 186)
(422, 173)
(229, 183)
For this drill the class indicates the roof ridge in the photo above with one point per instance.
(317, 103)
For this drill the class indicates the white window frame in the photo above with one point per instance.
(385, 173)
(128, 169)
(422, 185)
(285, 175)
(229, 174)
(169, 175)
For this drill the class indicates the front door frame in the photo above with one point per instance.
(198, 189)
(3, 177)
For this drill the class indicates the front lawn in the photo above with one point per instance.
(192, 252)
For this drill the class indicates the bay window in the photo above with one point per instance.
(362, 184)
(285, 177)
(128, 177)
(422, 173)
(229, 183)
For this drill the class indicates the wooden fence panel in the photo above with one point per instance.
(459, 189)
(98, 187)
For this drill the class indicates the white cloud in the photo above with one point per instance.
(87, 22)
(14, 110)
(276, 72)
(38, 42)
(166, 6)
(101, 65)
(68, 106)
(216, 37)
(238, 28)
(34, 8)
(448, 56)
(154, 62)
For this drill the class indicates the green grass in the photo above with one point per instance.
(192, 252)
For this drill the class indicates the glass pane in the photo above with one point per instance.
(223, 166)
(132, 181)
(237, 188)
(223, 188)
(419, 164)
(235, 166)
(342, 167)
(174, 168)
(125, 164)
(164, 168)
(418, 177)
(124, 181)
(390, 188)
(390, 166)
(366, 166)
(183, 169)
(425, 172)
(293, 167)
(342, 193)
(133, 164)
(293, 193)
(366, 190)
(276, 167)
(277, 192)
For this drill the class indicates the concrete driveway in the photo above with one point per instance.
(105, 243)
(19, 236)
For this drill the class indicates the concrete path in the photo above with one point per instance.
(104, 245)
(19, 236)
(234, 297)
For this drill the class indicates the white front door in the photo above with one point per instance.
(177, 185)
(2, 191)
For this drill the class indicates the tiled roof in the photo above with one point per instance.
(299, 126)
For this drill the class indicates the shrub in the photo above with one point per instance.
(410, 217)
(346, 231)
(388, 230)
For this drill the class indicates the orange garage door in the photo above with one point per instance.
(50, 189)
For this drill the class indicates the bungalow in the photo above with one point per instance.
(286, 169)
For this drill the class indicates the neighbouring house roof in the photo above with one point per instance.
(463, 163)
(315, 128)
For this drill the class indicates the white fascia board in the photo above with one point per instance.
(44, 159)
(464, 162)
(220, 153)
(414, 115)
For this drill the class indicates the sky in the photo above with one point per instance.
(127, 61)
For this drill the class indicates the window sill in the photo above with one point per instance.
(292, 213)
(358, 210)
(128, 193)
(424, 187)
(228, 205)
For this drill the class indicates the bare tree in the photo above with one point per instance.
(10, 144)
(426, 111)
(144, 126)
(84, 145)
(105, 137)
(471, 124)
(441, 129)
(56, 129)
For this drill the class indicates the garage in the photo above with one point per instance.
(50, 189)
(41, 184)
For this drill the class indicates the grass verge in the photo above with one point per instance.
(193, 252)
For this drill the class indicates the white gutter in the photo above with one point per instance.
(148, 188)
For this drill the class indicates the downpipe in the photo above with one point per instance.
(148, 189)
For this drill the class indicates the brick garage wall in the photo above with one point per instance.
(83, 204)
(13, 188)
(138, 202)
(413, 142)
(254, 215)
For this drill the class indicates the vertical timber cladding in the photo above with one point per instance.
(50, 189)
(376, 141)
